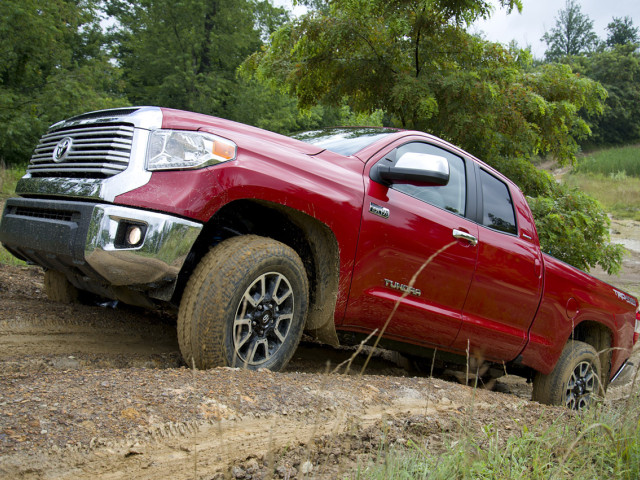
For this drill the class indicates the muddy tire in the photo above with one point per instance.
(58, 288)
(244, 306)
(575, 380)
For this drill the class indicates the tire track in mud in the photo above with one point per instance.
(204, 450)
(91, 392)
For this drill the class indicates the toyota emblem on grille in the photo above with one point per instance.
(62, 149)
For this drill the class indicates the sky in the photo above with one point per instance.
(539, 16)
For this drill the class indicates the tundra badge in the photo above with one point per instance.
(402, 287)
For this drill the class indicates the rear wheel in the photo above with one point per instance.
(574, 381)
(244, 306)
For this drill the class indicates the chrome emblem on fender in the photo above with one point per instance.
(378, 210)
(402, 287)
(625, 298)
(62, 149)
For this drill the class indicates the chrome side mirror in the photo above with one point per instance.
(413, 168)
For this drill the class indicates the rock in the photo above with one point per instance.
(238, 472)
(286, 471)
(306, 467)
(252, 466)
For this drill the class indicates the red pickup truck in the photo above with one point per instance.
(256, 237)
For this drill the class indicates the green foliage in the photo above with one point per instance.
(9, 177)
(618, 70)
(574, 228)
(622, 32)
(53, 66)
(7, 259)
(572, 35)
(414, 62)
(185, 55)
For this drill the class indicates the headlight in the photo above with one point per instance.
(178, 150)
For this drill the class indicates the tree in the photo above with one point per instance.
(185, 54)
(618, 70)
(53, 66)
(413, 60)
(622, 32)
(425, 72)
(572, 35)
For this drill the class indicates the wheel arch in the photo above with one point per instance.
(600, 337)
(313, 240)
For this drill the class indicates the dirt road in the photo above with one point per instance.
(98, 392)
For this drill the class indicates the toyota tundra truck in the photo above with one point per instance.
(255, 237)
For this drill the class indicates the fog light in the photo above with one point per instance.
(134, 235)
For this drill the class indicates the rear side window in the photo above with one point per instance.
(497, 204)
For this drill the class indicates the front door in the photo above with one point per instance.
(414, 231)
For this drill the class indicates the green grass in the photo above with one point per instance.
(9, 177)
(603, 442)
(623, 161)
(619, 195)
(611, 176)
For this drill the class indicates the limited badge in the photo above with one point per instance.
(378, 210)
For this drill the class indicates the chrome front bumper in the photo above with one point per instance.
(85, 240)
(167, 242)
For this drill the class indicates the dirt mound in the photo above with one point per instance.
(101, 392)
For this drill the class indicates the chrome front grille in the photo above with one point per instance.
(97, 150)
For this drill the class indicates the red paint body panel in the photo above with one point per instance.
(398, 247)
(595, 302)
(505, 292)
(503, 297)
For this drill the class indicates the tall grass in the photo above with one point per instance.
(9, 177)
(611, 176)
(603, 442)
(619, 194)
(612, 161)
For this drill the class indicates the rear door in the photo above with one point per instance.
(507, 285)
(419, 231)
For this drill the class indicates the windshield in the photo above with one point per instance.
(345, 141)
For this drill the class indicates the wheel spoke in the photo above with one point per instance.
(263, 287)
(252, 355)
(571, 401)
(239, 339)
(248, 298)
(274, 292)
(285, 295)
(583, 369)
(281, 299)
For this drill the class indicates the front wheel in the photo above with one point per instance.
(244, 306)
(575, 380)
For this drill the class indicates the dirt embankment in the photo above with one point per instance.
(98, 392)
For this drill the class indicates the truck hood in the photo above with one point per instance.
(238, 132)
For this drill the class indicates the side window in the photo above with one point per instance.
(449, 197)
(497, 205)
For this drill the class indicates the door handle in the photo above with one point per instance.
(460, 235)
